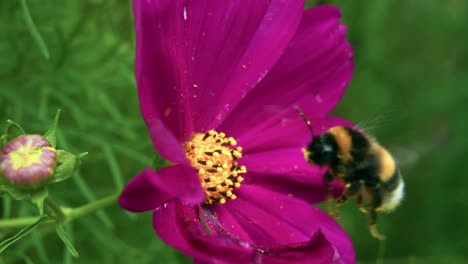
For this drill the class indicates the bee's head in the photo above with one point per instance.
(322, 150)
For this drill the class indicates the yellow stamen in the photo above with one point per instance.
(215, 156)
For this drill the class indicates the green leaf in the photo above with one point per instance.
(6, 207)
(63, 236)
(50, 134)
(27, 260)
(13, 130)
(24, 232)
(33, 30)
(112, 109)
(40, 248)
(38, 198)
(12, 192)
(85, 190)
(102, 236)
(115, 171)
(159, 162)
(113, 165)
(67, 257)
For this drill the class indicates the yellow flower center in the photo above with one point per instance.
(26, 156)
(215, 156)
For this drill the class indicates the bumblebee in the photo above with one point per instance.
(367, 170)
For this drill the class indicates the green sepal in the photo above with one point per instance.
(64, 237)
(12, 131)
(67, 165)
(3, 141)
(64, 156)
(24, 232)
(50, 134)
(38, 197)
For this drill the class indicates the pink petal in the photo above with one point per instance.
(150, 189)
(161, 65)
(317, 250)
(165, 142)
(141, 195)
(228, 223)
(178, 225)
(208, 54)
(274, 220)
(287, 161)
(313, 73)
(286, 171)
(231, 46)
(288, 131)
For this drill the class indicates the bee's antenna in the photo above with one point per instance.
(306, 120)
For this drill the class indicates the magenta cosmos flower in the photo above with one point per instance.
(217, 83)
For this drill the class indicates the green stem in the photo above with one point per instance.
(92, 207)
(54, 210)
(18, 222)
(69, 214)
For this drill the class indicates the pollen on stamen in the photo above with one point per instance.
(215, 157)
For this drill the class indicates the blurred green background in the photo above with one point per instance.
(409, 90)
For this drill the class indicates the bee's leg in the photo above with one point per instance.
(351, 190)
(376, 201)
(329, 192)
(359, 204)
(373, 225)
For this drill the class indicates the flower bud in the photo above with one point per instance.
(28, 161)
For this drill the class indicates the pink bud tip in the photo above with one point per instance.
(28, 161)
